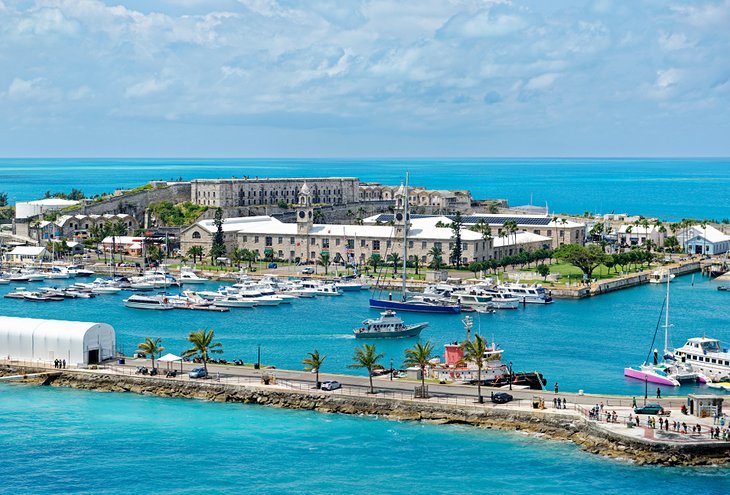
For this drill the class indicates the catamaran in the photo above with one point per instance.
(419, 304)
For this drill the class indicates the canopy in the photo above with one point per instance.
(169, 358)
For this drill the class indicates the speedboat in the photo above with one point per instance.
(388, 325)
(4, 281)
(348, 285)
(188, 276)
(78, 271)
(17, 293)
(137, 301)
(234, 301)
(41, 297)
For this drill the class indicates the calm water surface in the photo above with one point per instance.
(69, 441)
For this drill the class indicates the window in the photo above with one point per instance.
(388, 244)
(245, 238)
(549, 233)
(410, 244)
(362, 242)
(350, 243)
(269, 241)
(465, 247)
(291, 241)
(424, 244)
(196, 235)
(256, 239)
(281, 253)
(337, 242)
(325, 243)
(280, 240)
(536, 231)
(376, 245)
(437, 245)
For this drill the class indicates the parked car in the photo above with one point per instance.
(198, 372)
(307, 270)
(501, 398)
(649, 409)
(331, 385)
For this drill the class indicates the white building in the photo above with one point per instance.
(637, 235)
(78, 342)
(28, 254)
(28, 209)
(708, 240)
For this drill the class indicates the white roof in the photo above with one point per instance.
(169, 358)
(710, 233)
(53, 202)
(522, 238)
(638, 229)
(28, 250)
(122, 239)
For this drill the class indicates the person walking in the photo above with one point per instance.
(633, 400)
(556, 387)
(658, 393)
(64, 364)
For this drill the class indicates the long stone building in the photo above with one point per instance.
(306, 241)
(226, 193)
(440, 199)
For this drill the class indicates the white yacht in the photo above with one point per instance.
(148, 302)
(59, 272)
(188, 276)
(660, 277)
(705, 355)
(233, 301)
(470, 301)
(79, 271)
(387, 326)
(527, 293)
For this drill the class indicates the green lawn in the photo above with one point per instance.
(567, 270)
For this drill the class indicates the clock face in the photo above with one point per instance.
(399, 217)
(301, 214)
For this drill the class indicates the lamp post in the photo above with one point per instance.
(258, 358)
(391, 369)
(510, 375)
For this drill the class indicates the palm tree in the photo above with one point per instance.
(415, 261)
(437, 260)
(203, 345)
(324, 260)
(420, 355)
(395, 259)
(474, 351)
(366, 357)
(313, 362)
(196, 252)
(151, 347)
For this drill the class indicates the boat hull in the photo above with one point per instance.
(411, 331)
(650, 377)
(418, 308)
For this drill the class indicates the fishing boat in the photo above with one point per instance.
(410, 303)
(387, 326)
(669, 371)
(137, 301)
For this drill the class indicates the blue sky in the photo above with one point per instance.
(364, 78)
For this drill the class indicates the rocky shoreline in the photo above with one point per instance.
(556, 426)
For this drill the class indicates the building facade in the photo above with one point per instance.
(441, 199)
(81, 226)
(237, 192)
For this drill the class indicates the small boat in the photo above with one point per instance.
(41, 297)
(724, 288)
(349, 285)
(148, 302)
(720, 385)
(4, 281)
(526, 293)
(105, 289)
(387, 326)
(661, 276)
(78, 271)
(17, 293)
(188, 276)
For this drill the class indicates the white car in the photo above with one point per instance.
(331, 385)
(307, 270)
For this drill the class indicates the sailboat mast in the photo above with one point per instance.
(405, 237)
(666, 320)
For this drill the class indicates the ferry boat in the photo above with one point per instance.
(148, 302)
(706, 355)
(526, 293)
(388, 325)
(660, 277)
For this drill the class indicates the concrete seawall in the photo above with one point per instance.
(566, 425)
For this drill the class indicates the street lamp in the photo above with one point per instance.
(510, 375)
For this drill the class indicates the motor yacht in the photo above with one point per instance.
(137, 301)
(388, 325)
(526, 293)
(188, 276)
(234, 301)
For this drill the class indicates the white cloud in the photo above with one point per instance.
(675, 41)
(27, 88)
(146, 88)
(79, 93)
(541, 82)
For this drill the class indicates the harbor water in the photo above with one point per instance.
(81, 442)
(581, 344)
(659, 187)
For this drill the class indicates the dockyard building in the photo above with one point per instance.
(239, 192)
(418, 197)
(29, 209)
(699, 239)
(76, 342)
(27, 254)
(82, 226)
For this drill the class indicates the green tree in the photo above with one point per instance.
(202, 346)
(456, 226)
(474, 352)
(196, 252)
(543, 270)
(475, 267)
(367, 357)
(415, 262)
(282, 204)
(218, 248)
(586, 258)
(151, 347)
(313, 362)
(324, 260)
(437, 260)
(374, 260)
(395, 259)
(420, 355)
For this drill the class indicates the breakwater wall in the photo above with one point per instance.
(558, 425)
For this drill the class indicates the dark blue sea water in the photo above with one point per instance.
(665, 188)
(80, 442)
(581, 344)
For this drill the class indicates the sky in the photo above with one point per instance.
(370, 78)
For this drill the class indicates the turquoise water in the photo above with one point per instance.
(69, 441)
(665, 188)
(581, 344)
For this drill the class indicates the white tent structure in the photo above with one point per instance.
(170, 358)
(78, 342)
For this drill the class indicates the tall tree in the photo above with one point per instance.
(196, 252)
(324, 260)
(474, 352)
(367, 357)
(395, 259)
(456, 226)
(587, 258)
(151, 347)
(313, 362)
(218, 248)
(420, 355)
(415, 262)
(437, 260)
(203, 345)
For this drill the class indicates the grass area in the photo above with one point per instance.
(568, 271)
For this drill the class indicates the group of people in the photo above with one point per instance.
(559, 403)
(59, 363)
(598, 414)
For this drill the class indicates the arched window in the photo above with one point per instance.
(196, 235)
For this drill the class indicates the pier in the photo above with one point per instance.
(608, 433)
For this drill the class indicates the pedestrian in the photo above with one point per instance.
(699, 428)
(556, 387)
(601, 406)
(555, 402)
(722, 421)
(564, 401)
(64, 364)
(684, 426)
(55, 363)
(633, 400)
(658, 393)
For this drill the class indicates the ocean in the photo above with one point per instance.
(666, 188)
